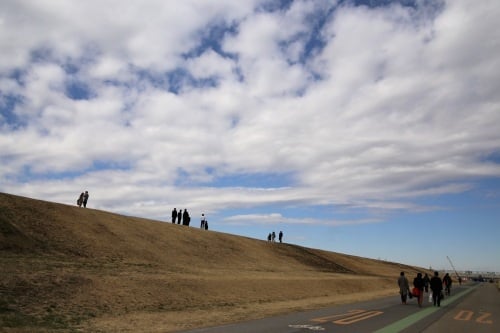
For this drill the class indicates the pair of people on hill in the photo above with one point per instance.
(82, 199)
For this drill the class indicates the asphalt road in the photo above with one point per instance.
(471, 308)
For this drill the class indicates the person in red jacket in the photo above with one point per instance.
(418, 290)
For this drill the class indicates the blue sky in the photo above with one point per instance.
(364, 127)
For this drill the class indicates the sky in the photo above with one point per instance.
(369, 128)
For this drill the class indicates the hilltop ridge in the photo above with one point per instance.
(68, 267)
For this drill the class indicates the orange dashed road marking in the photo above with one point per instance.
(350, 317)
(482, 318)
(466, 315)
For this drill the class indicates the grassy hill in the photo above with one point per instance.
(65, 268)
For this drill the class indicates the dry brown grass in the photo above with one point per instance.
(66, 268)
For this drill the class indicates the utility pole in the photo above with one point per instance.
(458, 276)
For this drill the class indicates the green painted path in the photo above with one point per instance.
(400, 325)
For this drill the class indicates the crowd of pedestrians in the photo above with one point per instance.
(422, 285)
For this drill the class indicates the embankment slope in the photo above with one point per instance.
(65, 267)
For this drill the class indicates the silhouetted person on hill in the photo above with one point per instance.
(273, 237)
(185, 218)
(179, 216)
(269, 237)
(280, 236)
(79, 202)
(174, 215)
(437, 289)
(85, 198)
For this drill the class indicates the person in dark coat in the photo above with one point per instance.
(426, 281)
(447, 284)
(419, 285)
(174, 215)
(185, 218)
(436, 288)
(280, 236)
(179, 216)
(85, 198)
(79, 202)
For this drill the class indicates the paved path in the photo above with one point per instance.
(479, 312)
(472, 308)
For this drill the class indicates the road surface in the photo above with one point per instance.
(472, 308)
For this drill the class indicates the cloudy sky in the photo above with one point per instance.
(364, 127)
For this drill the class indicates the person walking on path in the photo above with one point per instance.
(85, 198)
(203, 221)
(447, 284)
(79, 202)
(280, 236)
(436, 288)
(426, 282)
(419, 284)
(404, 287)
(174, 215)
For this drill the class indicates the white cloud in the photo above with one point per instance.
(395, 106)
(276, 218)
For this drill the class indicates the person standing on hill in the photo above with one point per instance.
(203, 221)
(280, 236)
(174, 215)
(404, 287)
(437, 289)
(185, 218)
(179, 216)
(85, 198)
(79, 202)
(419, 284)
